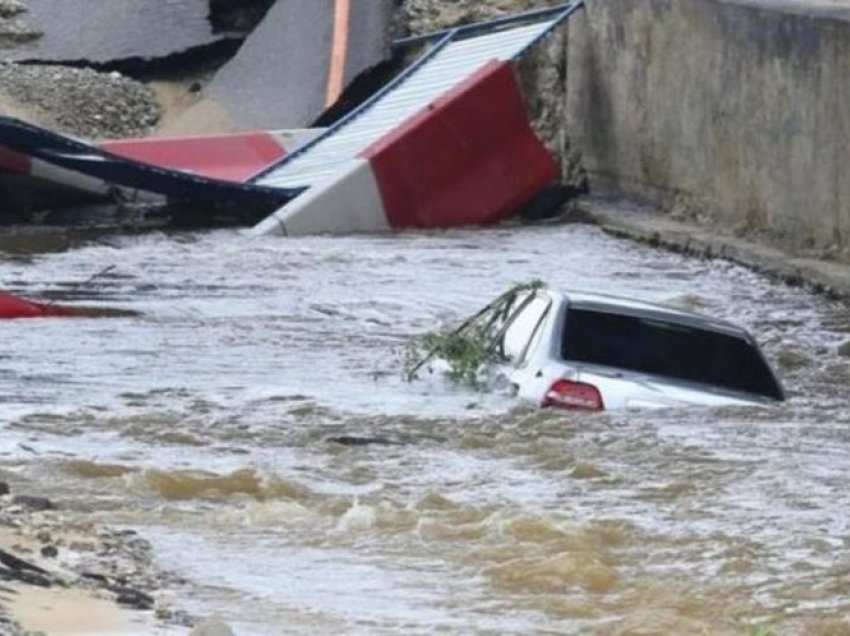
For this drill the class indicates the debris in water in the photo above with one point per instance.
(469, 348)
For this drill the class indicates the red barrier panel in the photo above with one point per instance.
(12, 306)
(16, 163)
(229, 157)
(471, 158)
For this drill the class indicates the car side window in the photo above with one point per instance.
(523, 329)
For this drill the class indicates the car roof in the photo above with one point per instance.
(605, 303)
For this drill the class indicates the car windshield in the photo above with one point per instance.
(667, 349)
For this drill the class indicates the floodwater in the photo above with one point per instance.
(207, 424)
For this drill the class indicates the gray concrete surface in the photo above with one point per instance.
(730, 112)
(279, 77)
(644, 224)
(372, 22)
(101, 31)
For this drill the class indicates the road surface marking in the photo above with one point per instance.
(339, 52)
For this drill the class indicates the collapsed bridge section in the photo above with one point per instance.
(70, 162)
(446, 143)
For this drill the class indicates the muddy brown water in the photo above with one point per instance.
(207, 424)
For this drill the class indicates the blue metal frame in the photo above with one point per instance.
(566, 12)
(470, 30)
(86, 159)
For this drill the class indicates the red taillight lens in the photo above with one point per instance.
(576, 396)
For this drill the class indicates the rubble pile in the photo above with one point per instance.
(48, 547)
(80, 101)
(425, 16)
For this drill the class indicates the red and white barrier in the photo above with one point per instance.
(469, 158)
(229, 157)
(350, 202)
(43, 174)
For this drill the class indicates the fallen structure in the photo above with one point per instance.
(447, 143)
(41, 170)
(228, 157)
(37, 166)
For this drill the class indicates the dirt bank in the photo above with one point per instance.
(75, 101)
(63, 574)
(14, 28)
(79, 102)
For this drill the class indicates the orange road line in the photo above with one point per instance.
(339, 52)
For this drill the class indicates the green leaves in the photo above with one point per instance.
(464, 352)
(468, 349)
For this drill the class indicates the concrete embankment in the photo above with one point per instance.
(631, 220)
(731, 113)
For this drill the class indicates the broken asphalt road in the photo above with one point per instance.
(300, 58)
(98, 32)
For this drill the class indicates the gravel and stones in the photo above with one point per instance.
(49, 546)
(11, 8)
(425, 16)
(81, 102)
(75, 101)
(14, 29)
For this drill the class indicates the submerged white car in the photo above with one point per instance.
(591, 352)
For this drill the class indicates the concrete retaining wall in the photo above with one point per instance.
(736, 111)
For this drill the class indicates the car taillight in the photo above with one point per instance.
(577, 396)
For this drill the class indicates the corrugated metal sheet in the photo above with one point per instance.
(447, 64)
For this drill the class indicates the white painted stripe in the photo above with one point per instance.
(68, 178)
(350, 202)
(72, 179)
